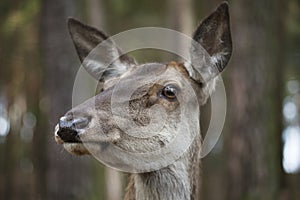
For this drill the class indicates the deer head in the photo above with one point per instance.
(95, 124)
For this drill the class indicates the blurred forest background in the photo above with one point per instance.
(258, 154)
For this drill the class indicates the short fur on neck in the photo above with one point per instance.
(175, 182)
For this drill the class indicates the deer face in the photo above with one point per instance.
(93, 122)
(140, 106)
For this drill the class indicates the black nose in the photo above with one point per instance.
(70, 122)
(69, 125)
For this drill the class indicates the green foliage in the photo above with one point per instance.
(18, 17)
(293, 18)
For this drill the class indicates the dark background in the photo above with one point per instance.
(258, 154)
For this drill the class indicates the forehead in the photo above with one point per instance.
(152, 73)
(157, 70)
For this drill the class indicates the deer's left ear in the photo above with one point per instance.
(212, 46)
(98, 53)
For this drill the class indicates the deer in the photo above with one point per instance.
(92, 122)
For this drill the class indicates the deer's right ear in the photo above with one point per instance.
(97, 52)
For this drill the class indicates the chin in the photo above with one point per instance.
(77, 149)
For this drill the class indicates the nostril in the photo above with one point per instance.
(65, 121)
(81, 123)
(71, 122)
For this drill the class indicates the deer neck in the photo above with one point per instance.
(177, 181)
(168, 183)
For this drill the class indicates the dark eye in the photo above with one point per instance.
(169, 92)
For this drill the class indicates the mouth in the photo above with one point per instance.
(70, 140)
(68, 135)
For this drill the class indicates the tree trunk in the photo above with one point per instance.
(67, 177)
(253, 141)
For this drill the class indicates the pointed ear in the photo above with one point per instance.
(212, 46)
(97, 52)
